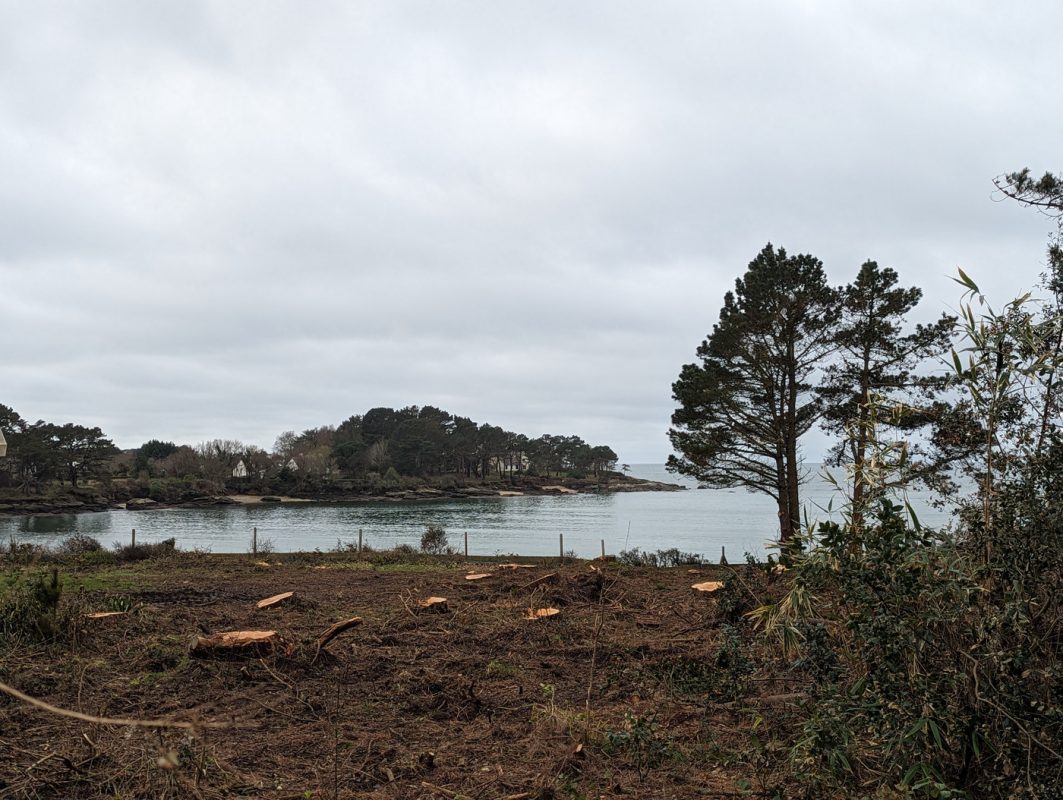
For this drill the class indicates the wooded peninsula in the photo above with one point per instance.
(412, 453)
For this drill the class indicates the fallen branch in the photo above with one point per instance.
(335, 630)
(129, 723)
(439, 789)
(538, 581)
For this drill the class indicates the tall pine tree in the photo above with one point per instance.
(745, 403)
(876, 365)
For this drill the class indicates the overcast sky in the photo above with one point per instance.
(231, 219)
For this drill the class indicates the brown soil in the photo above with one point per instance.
(615, 696)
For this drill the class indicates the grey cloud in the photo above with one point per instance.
(229, 219)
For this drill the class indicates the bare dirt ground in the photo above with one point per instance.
(629, 691)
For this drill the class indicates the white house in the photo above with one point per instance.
(240, 470)
(292, 466)
(3, 445)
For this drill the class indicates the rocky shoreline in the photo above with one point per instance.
(87, 501)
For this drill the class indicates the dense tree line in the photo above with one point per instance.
(40, 452)
(430, 441)
(408, 442)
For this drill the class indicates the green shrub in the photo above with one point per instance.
(434, 541)
(142, 552)
(79, 544)
(640, 741)
(29, 608)
(733, 666)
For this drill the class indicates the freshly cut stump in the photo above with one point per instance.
(541, 613)
(230, 643)
(277, 599)
(479, 576)
(104, 614)
(708, 586)
(437, 604)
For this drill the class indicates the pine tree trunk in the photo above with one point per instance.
(792, 476)
(860, 455)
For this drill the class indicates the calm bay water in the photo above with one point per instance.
(699, 521)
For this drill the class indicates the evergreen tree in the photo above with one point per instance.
(746, 402)
(1046, 195)
(877, 361)
(82, 451)
(348, 446)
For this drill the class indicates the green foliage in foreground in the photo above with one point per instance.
(944, 682)
(29, 607)
(937, 654)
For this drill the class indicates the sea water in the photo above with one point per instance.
(702, 521)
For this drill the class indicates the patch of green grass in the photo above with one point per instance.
(106, 580)
(686, 676)
(146, 679)
(501, 669)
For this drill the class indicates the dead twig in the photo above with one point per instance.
(540, 580)
(130, 723)
(440, 790)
